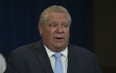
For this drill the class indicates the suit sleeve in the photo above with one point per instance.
(14, 64)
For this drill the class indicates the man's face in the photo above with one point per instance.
(55, 32)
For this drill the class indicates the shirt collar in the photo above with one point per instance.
(51, 53)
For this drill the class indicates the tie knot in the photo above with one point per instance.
(58, 55)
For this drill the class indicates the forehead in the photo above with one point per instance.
(57, 15)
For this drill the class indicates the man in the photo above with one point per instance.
(40, 57)
(2, 63)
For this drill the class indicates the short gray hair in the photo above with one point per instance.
(53, 8)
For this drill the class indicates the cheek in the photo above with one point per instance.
(67, 31)
(48, 34)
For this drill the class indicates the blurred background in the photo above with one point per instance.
(104, 33)
(93, 26)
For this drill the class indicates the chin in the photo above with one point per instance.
(60, 46)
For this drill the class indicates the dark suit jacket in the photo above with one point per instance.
(33, 58)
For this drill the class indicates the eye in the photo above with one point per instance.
(53, 25)
(65, 25)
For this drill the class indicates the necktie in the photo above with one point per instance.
(58, 64)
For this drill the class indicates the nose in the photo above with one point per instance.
(59, 29)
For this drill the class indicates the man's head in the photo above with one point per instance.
(54, 27)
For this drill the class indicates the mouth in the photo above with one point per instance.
(59, 39)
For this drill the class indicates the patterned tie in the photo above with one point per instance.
(58, 64)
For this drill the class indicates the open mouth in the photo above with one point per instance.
(59, 38)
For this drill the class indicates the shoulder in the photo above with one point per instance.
(2, 63)
(81, 51)
(2, 59)
(26, 49)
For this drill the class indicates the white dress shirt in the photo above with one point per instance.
(64, 58)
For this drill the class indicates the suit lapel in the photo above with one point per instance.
(43, 58)
(72, 60)
(45, 62)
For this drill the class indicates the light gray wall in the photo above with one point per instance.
(104, 13)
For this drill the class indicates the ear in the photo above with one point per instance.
(40, 29)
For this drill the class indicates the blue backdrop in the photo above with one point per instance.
(18, 22)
